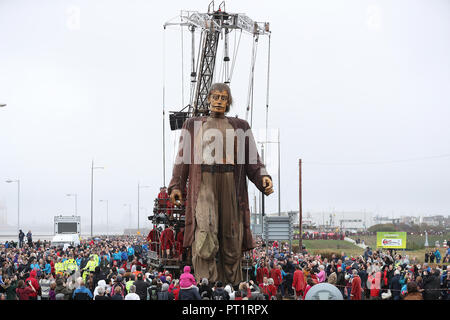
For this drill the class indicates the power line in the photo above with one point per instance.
(377, 162)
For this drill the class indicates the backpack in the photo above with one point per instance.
(120, 285)
(205, 295)
(163, 295)
(219, 295)
(153, 293)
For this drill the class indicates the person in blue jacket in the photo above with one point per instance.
(82, 293)
(117, 256)
(130, 252)
(48, 267)
(438, 256)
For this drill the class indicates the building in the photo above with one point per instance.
(410, 220)
(435, 221)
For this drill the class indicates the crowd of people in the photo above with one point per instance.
(116, 268)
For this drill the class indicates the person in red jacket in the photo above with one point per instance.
(261, 272)
(299, 283)
(163, 197)
(167, 241)
(24, 292)
(32, 282)
(153, 238)
(355, 294)
(268, 287)
(374, 287)
(275, 274)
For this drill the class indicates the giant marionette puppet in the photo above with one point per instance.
(216, 153)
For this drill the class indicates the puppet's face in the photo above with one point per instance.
(218, 101)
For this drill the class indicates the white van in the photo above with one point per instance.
(66, 240)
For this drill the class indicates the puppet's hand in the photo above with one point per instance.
(267, 184)
(176, 197)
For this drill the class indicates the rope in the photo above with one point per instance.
(164, 106)
(251, 80)
(235, 51)
(182, 68)
(268, 83)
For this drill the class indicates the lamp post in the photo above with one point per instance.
(18, 201)
(138, 206)
(76, 200)
(107, 216)
(92, 196)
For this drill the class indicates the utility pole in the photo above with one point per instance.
(300, 242)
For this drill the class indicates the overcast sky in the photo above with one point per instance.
(360, 91)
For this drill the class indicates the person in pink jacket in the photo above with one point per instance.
(187, 280)
(321, 275)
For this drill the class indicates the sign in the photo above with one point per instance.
(278, 228)
(391, 240)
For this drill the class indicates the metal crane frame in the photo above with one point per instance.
(211, 24)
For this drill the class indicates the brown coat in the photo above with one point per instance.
(413, 296)
(183, 172)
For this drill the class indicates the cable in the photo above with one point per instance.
(377, 162)
(182, 67)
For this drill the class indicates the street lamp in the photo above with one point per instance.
(18, 201)
(107, 216)
(139, 188)
(92, 196)
(74, 195)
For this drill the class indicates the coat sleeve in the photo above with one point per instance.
(254, 168)
(181, 167)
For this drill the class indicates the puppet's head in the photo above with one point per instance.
(219, 98)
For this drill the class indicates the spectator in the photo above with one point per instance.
(395, 285)
(141, 287)
(82, 293)
(164, 294)
(187, 280)
(431, 285)
(219, 293)
(118, 293)
(24, 292)
(44, 283)
(101, 294)
(132, 294)
(205, 290)
(413, 292)
(51, 292)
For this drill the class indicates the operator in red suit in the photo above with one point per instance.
(167, 241)
(163, 197)
(153, 238)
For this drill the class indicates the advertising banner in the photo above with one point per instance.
(391, 240)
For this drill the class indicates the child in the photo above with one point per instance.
(187, 280)
(51, 293)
